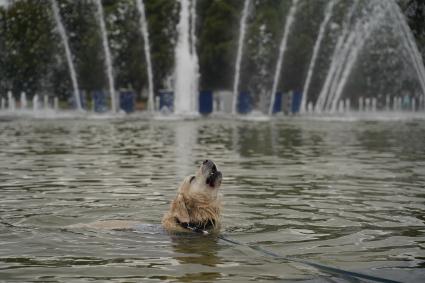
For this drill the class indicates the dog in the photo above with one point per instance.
(197, 206)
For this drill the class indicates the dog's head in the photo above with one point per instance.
(197, 204)
(207, 180)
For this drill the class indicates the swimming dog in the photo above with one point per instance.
(197, 205)
(196, 208)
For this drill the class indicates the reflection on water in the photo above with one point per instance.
(199, 252)
(345, 194)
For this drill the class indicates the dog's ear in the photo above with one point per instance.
(184, 186)
(179, 209)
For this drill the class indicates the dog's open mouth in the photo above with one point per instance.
(213, 176)
(214, 179)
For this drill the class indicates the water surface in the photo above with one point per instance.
(348, 194)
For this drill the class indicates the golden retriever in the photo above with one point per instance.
(195, 208)
(197, 205)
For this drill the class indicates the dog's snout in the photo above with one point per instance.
(208, 167)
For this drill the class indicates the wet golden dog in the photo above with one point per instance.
(195, 208)
(198, 202)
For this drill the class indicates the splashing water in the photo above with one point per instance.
(108, 58)
(316, 49)
(409, 43)
(11, 101)
(145, 33)
(352, 42)
(35, 102)
(359, 36)
(64, 37)
(24, 102)
(242, 32)
(186, 61)
(335, 64)
(282, 48)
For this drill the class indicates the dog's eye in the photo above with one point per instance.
(191, 179)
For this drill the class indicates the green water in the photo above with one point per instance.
(345, 194)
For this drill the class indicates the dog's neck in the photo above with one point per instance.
(204, 213)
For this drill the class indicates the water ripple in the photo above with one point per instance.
(347, 194)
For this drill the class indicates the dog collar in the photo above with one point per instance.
(201, 228)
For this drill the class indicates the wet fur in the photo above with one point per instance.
(197, 203)
(193, 206)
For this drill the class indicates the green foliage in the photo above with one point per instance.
(162, 17)
(217, 32)
(28, 46)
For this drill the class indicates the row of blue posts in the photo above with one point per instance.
(127, 101)
(286, 103)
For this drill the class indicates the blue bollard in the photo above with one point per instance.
(205, 102)
(296, 101)
(166, 99)
(244, 102)
(99, 101)
(127, 100)
(406, 102)
(277, 107)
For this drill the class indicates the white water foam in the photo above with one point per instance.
(186, 61)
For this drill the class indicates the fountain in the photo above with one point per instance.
(335, 59)
(108, 57)
(242, 32)
(24, 103)
(35, 103)
(351, 43)
(363, 56)
(323, 25)
(186, 61)
(347, 105)
(145, 33)
(310, 107)
(64, 37)
(341, 106)
(409, 43)
(359, 35)
(11, 101)
(288, 25)
(367, 103)
(2, 104)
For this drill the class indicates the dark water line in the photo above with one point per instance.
(325, 268)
